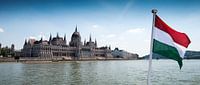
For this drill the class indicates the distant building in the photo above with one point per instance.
(123, 54)
(57, 47)
(12, 48)
(192, 55)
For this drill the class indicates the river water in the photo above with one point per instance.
(131, 72)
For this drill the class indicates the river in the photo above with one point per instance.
(130, 72)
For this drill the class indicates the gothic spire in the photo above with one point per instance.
(65, 38)
(25, 43)
(41, 40)
(76, 29)
(95, 42)
(50, 38)
(85, 42)
(90, 38)
(57, 35)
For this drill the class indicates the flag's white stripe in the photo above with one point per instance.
(181, 49)
(167, 39)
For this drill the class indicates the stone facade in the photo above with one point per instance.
(57, 48)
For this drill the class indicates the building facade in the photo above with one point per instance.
(124, 54)
(57, 48)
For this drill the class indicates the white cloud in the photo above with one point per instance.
(32, 37)
(38, 37)
(111, 35)
(95, 26)
(1, 30)
(137, 30)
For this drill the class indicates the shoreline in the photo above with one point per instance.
(37, 60)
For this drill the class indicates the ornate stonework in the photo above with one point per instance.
(57, 48)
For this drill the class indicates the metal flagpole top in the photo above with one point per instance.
(154, 11)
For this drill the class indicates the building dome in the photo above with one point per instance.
(75, 39)
(76, 35)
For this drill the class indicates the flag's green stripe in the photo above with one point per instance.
(167, 51)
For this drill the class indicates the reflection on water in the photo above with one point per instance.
(74, 73)
(100, 73)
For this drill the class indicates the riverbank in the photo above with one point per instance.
(48, 60)
(7, 59)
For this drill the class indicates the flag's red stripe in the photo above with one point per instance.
(178, 37)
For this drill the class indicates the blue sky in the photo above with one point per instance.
(120, 23)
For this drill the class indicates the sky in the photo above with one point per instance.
(125, 24)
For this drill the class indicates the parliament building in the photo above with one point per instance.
(57, 48)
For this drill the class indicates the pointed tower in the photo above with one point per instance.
(95, 42)
(65, 41)
(25, 43)
(90, 38)
(85, 42)
(76, 29)
(57, 35)
(41, 40)
(50, 38)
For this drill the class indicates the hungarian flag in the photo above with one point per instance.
(169, 42)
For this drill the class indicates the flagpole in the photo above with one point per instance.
(154, 11)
